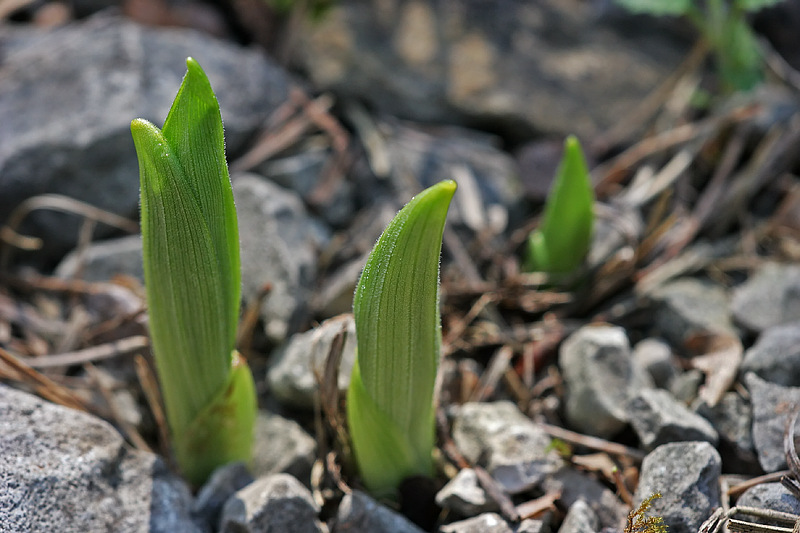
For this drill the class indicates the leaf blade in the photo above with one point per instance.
(176, 246)
(200, 151)
(562, 241)
(657, 7)
(396, 309)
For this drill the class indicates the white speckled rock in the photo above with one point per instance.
(68, 471)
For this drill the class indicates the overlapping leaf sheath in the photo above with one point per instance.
(561, 242)
(396, 306)
(192, 276)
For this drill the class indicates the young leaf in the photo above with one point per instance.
(191, 266)
(755, 5)
(222, 432)
(396, 307)
(562, 241)
(657, 7)
(741, 65)
(193, 129)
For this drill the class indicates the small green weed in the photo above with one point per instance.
(562, 241)
(638, 522)
(723, 25)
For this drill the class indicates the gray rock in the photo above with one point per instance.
(732, 417)
(271, 504)
(67, 98)
(494, 523)
(222, 484)
(279, 242)
(775, 356)
(687, 476)
(515, 451)
(358, 513)
(658, 418)
(614, 229)
(655, 356)
(302, 171)
(532, 67)
(772, 405)
(580, 519)
(292, 374)
(67, 471)
(771, 296)
(600, 376)
(686, 385)
(689, 306)
(576, 486)
(281, 445)
(105, 259)
(530, 525)
(464, 495)
(488, 185)
(773, 496)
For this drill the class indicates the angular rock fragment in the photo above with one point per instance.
(494, 523)
(600, 376)
(67, 471)
(770, 297)
(689, 306)
(514, 450)
(464, 495)
(580, 519)
(279, 243)
(359, 513)
(658, 418)
(282, 446)
(775, 356)
(773, 496)
(772, 406)
(687, 476)
(272, 503)
(292, 376)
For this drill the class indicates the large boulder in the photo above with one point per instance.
(67, 98)
(552, 66)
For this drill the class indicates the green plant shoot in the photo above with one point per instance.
(562, 241)
(190, 242)
(723, 25)
(396, 306)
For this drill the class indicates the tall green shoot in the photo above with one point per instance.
(396, 306)
(193, 281)
(562, 241)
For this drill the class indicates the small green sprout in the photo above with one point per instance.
(638, 522)
(190, 242)
(562, 241)
(396, 306)
(723, 25)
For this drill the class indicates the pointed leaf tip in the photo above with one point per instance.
(444, 189)
(571, 143)
(141, 127)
